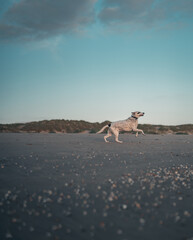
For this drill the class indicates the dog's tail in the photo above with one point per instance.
(102, 129)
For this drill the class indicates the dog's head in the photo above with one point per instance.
(137, 114)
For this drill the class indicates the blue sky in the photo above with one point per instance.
(96, 60)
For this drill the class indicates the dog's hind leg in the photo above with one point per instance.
(116, 133)
(108, 135)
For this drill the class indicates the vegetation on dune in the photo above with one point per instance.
(54, 126)
(73, 126)
(163, 129)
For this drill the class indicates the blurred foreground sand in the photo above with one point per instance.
(76, 186)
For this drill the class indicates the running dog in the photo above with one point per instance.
(129, 124)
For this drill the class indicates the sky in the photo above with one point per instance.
(96, 60)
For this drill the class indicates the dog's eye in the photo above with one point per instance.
(138, 113)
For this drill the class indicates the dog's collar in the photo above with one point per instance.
(134, 117)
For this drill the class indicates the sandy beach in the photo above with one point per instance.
(77, 187)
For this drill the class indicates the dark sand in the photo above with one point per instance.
(76, 186)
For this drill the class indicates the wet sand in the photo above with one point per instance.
(77, 187)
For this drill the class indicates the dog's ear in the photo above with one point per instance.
(133, 113)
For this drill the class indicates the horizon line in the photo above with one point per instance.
(90, 122)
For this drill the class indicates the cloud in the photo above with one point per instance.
(32, 20)
(148, 13)
(28, 20)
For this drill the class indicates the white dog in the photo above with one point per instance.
(129, 124)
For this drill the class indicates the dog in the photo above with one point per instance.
(129, 124)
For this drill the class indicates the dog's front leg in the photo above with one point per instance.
(138, 130)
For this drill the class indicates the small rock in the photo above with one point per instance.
(8, 235)
(142, 221)
(187, 214)
(31, 229)
(124, 206)
(119, 232)
(84, 213)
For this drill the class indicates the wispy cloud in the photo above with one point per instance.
(51, 45)
(147, 13)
